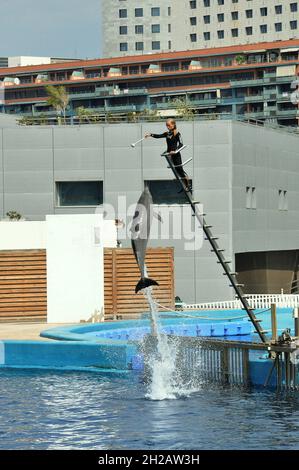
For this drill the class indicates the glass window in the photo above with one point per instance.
(294, 7)
(123, 46)
(278, 27)
(155, 11)
(193, 21)
(138, 12)
(278, 9)
(263, 28)
(155, 45)
(220, 17)
(193, 37)
(138, 29)
(155, 28)
(193, 4)
(139, 46)
(293, 24)
(166, 192)
(123, 30)
(123, 13)
(79, 193)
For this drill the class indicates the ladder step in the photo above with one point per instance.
(212, 238)
(232, 274)
(262, 331)
(257, 320)
(219, 251)
(194, 202)
(208, 226)
(236, 285)
(226, 262)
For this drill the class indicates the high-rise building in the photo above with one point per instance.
(131, 27)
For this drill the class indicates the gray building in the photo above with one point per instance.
(245, 176)
(135, 26)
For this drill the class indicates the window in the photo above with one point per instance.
(207, 19)
(220, 34)
(250, 197)
(193, 37)
(263, 28)
(139, 46)
(220, 17)
(166, 192)
(207, 36)
(235, 15)
(123, 30)
(155, 11)
(278, 27)
(249, 13)
(293, 24)
(193, 21)
(278, 9)
(123, 47)
(235, 32)
(249, 30)
(294, 7)
(138, 12)
(282, 200)
(193, 4)
(138, 29)
(155, 45)
(79, 193)
(206, 3)
(220, 2)
(169, 11)
(155, 28)
(123, 13)
(264, 11)
(169, 28)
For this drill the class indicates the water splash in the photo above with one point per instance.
(165, 383)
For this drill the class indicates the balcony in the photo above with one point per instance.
(254, 98)
(111, 92)
(124, 108)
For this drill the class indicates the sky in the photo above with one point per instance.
(50, 28)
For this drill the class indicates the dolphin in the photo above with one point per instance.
(140, 231)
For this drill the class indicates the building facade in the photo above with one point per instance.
(245, 176)
(245, 82)
(139, 27)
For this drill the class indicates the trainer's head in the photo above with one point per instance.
(171, 124)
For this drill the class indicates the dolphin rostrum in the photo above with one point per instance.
(140, 232)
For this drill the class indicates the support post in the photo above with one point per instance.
(296, 321)
(274, 323)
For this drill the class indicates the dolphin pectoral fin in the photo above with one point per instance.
(158, 216)
(145, 282)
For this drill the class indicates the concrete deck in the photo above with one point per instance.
(25, 331)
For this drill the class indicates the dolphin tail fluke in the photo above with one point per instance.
(145, 282)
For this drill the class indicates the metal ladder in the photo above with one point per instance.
(219, 253)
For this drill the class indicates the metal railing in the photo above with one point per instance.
(257, 301)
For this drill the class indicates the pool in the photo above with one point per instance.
(78, 410)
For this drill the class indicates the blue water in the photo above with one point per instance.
(66, 410)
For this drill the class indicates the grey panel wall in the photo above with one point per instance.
(227, 157)
(268, 160)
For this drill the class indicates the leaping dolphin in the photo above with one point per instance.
(140, 232)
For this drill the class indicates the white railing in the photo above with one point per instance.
(255, 301)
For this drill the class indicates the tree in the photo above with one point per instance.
(183, 109)
(58, 98)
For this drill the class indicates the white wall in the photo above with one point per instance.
(75, 260)
(22, 235)
(20, 61)
(75, 266)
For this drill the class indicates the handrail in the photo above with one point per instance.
(257, 301)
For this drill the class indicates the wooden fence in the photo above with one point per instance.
(23, 285)
(122, 274)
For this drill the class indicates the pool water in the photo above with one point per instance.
(78, 410)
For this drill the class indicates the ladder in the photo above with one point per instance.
(219, 252)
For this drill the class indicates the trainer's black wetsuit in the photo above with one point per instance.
(174, 142)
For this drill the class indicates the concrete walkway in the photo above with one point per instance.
(25, 331)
